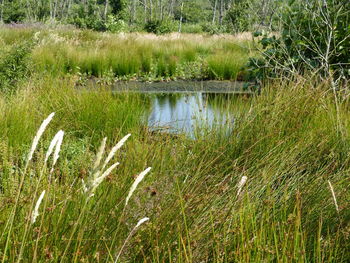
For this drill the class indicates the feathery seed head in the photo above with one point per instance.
(138, 179)
(115, 149)
(100, 153)
(38, 136)
(57, 139)
(241, 184)
(35, 212)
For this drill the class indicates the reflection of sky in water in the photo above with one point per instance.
(186, 113)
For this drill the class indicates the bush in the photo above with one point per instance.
(240, 17)
(13, 12)
(87, 18)
(160, 26)
(14, 66)
(192, 28)
(115, 25)
(315, 38)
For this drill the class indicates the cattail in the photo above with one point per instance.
(333, 195)
(38, 136)
(138, 179)
(241, 184)
(115, 149)
(143, 220)
(35, 213)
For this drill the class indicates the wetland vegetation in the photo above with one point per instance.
(256, 177)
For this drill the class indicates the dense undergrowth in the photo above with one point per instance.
(134, 56)
(290, 142)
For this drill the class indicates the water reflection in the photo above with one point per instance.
(189, 113)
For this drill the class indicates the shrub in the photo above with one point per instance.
(115, 25)
(14, 66)
(315, 38)
(192, 28)
(159, 26)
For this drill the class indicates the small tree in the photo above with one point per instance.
(119, 8)
(315, 38)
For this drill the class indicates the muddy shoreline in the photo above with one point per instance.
(183, 86)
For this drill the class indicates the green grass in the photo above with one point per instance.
(141, 56)
(289, 142)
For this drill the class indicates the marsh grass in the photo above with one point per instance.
(141, 56)
(285, 142)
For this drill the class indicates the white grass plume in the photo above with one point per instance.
(57, 150)
(100, 153)
(241, 184)
(333, 195)
(35, 212)
(38, 136)
(138, 179)
(143, 220)
(56, 142)
(98, 174)
(97, 180)
(115, 149)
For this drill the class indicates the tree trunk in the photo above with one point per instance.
(69, 4)
(171, 8)
(221, 12)
(29, 16)
(54, 10)
(161, 9)
(2, 10)
(145, 10)
(180, 24)
(214, 11)
(105, 11)
(133, 16)
(150, 9)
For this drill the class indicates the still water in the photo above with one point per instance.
(193, 113)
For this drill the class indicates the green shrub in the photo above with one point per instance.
(159, 26)
(191, 28)
(115, 25)
(315, 38)
(13, 11)
(14, 66)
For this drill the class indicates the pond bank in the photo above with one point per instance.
(182, 86)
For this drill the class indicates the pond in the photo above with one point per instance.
(192, 113)
(190, 107)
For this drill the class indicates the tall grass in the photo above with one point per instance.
(287, 142)
(141, 56)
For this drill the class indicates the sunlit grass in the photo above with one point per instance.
(286, 143)
(134, 55)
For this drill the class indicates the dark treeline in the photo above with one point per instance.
(158, 16)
